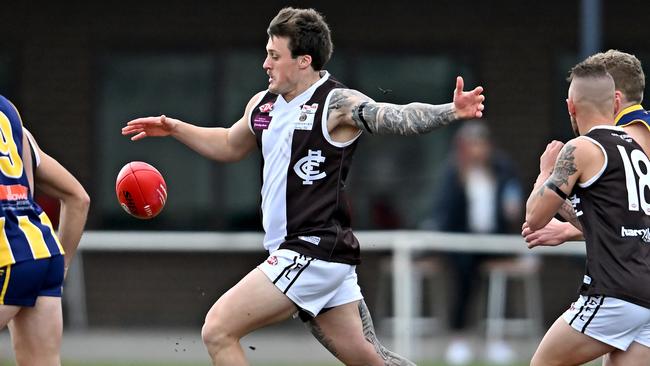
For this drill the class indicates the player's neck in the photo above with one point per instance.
(304, 82)
(589, 121)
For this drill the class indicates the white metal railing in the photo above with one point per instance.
(401, 243)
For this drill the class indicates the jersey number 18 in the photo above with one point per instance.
(632, 164)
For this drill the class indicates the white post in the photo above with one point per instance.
(74, 294)
(402, 297)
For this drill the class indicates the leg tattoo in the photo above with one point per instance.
(318, 333)
(390, 358)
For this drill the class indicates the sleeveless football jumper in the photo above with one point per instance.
(614, 210)
(26, 232)
(304, 205)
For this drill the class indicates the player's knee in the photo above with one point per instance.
(215, 335)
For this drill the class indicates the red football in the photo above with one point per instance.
(141, 190)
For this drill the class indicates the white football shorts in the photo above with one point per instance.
(312, 284)
(610, 320)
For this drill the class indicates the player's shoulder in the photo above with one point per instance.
(345, 99)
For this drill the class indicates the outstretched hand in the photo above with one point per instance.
(468, 104)
(149, 127)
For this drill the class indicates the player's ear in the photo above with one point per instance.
(617, 101)
(570, 107)
(304, 61)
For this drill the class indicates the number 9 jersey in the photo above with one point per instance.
(614, 211)
(26, 231)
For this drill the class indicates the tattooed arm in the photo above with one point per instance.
(578, 158)
(350, 109)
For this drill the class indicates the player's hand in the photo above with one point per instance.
(468, 104)
(548, 158)
(551, 235)
(149, 127)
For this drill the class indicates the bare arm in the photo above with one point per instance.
(569, 214)
(554, 233)
(543, 203)
(54, 180)
(576, 159)
(351, 108)
(217, 143)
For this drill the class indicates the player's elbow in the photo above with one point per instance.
(535, 221)
(79, 200)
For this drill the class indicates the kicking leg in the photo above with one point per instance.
(251, 304)
(348, 333)
(389, 357)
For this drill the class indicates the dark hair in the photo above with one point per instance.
(307, 32)
(626, 71)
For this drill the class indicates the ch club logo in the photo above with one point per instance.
(307, 168)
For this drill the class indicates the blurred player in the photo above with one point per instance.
(629, 79)
(612, 314)
(306, 126)
(32, 264)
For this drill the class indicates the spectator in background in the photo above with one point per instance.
(478, 193)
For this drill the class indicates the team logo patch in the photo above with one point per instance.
(306, 118)
(308, 168)
(267, 107)
(272, 260)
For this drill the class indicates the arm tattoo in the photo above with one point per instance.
(409, 119)
(569, 214)
(564, 167)
(390, 358)
(386, 118)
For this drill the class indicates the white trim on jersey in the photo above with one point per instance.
(33, 146)
(326, 132)
(606, 127)
(593, 179)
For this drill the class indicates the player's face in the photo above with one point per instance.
(281, 68)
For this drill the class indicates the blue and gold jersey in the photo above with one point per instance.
(633, 114)
(25, 230)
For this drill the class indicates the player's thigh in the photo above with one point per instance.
(254, 302)
(340, 330)
(563, 345)
(22, 284)
(40, 327)
(7, 312)
(636, 355)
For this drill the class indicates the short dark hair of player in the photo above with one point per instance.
(587, 69)
(626, 71)
(307, 32)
